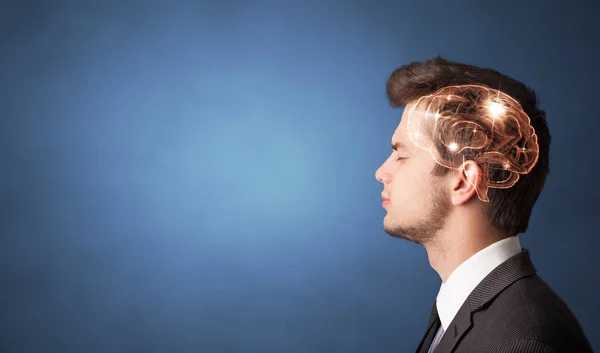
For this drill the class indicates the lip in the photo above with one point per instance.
(385, 203)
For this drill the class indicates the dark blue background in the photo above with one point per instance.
(199, 177)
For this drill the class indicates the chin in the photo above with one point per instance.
(388, 223)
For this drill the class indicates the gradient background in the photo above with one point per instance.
(199, 177)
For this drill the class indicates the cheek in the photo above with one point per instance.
(409, 191)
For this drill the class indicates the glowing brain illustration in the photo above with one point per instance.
(472, 122)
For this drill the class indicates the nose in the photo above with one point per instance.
(381, 175)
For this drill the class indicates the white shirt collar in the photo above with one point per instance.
(467, 276)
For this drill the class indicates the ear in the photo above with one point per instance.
(464, 183)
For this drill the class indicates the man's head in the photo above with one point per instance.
(466, 156)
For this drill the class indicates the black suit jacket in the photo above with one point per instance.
(511, 310)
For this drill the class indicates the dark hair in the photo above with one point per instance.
(508, 209)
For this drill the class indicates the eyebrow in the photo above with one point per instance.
(398, 145)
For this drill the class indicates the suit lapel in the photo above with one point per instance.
(491, 286)
(461, 324)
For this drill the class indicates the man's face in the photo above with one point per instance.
(418, 204)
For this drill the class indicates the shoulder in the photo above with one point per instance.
(547, 311)
(535, 319)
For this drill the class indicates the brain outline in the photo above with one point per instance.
(475, 122)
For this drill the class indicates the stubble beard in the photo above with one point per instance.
(425, 230)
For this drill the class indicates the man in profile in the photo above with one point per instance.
(470, 158)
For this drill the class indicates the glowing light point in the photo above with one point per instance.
(496, 109)
(437, 115)
(506, 165)
(453, 146)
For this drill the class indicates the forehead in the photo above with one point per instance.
(410, 131)
(401, 141)
(409, 124)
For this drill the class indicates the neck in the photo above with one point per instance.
(461, 238)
